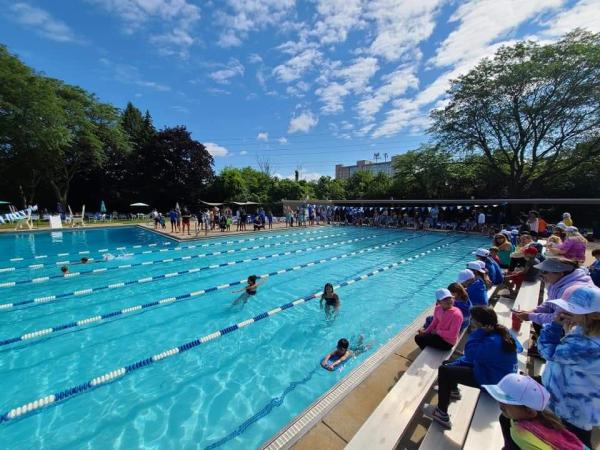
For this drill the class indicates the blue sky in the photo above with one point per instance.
(301, 84)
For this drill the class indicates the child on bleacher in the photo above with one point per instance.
(475, 287)
(595, 267)
(442, 333)
(572, 373)
(462, 302)
(525, 421)
(490, 354)
(525, 273)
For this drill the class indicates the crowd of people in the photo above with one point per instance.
(559, 410)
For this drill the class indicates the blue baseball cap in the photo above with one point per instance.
(582, 301)
(515, 389)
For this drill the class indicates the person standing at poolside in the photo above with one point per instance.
(185, 218)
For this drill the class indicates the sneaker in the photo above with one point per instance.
(433, 413)
(455, 394)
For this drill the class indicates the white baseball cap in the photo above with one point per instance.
(476, 265)
(441, 294)
(482, 252)
(465, 275)
(561, 225)
(584, 300)
(515, 389)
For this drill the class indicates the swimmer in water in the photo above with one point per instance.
(108, 257)
(248, 291)
(344, 351)
(84, 260)
(64, 270)
(331, 301)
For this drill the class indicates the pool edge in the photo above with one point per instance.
(301, 424)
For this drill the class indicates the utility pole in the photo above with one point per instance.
(385, 156)
(376, 156)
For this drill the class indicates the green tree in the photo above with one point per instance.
(230, 185)
(526, 110)
(327, 188)
(380, 187)
(357, 186)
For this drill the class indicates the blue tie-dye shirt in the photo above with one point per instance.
(572, 374)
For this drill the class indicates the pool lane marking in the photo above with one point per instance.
(113, 375)
(179, 247)
(87, 291)
(166, 260)
(132, 309)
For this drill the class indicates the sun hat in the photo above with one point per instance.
(482, 252)
(465, 275)
(475, 265)
(515, 389)
(584, 300)
(561, 225)
(566, 215)
(530, 251)
(554, 265)
(441, 294)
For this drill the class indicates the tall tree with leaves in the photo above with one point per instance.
(527, 109)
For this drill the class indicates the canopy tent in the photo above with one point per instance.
(244, 203)
(139, 204)
(211, 204)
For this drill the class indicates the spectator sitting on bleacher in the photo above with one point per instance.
(490, 354)
(480, 271)
(442, 333)
(562, 277)
(494, 254)
(493, 268)
(524, 273)
(475, 287)
(572, 373)
(505, 248)
(572, 248)
(462, 302)
(595, 267)
(525, 421)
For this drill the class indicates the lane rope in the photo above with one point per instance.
(87, 291)
(70, 275)
(179, 247)
(187, 296)
(113, 375)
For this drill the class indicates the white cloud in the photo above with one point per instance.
(585, 14)
(294, 68)
(129, 74)
(262, 136)
(302, 123)
(483, 22)
(42, 22)
(215, 149)
(246, 16)
(255, 58)
(355, 79)
(401, 26)
(336, 19)
(232, 69)
(282, 141)
(172, 21)
(243, 152)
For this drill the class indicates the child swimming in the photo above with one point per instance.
(343, 352)
(248, 291)
(331, 300)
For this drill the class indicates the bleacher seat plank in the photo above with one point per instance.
(485, 432)
(439, 437)
(386, 425)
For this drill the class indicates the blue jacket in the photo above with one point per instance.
(465, 309)
(478, 293)
(572, 374)
(494, 271)
(485, 354)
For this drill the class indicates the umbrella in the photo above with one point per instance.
(102, 207)
(138, 204)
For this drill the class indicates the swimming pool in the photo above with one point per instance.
(143, 350)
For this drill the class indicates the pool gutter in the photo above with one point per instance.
(312, 415)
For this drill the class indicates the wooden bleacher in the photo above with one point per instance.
(476, 426)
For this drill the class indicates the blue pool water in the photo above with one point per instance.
(233, 392)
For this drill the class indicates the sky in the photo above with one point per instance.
(299, 84)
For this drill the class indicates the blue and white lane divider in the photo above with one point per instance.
(113, 375)
(165, 301)
(179, 247)
(80, 292)
(69, 275)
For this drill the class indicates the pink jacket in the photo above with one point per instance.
(446, 323)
